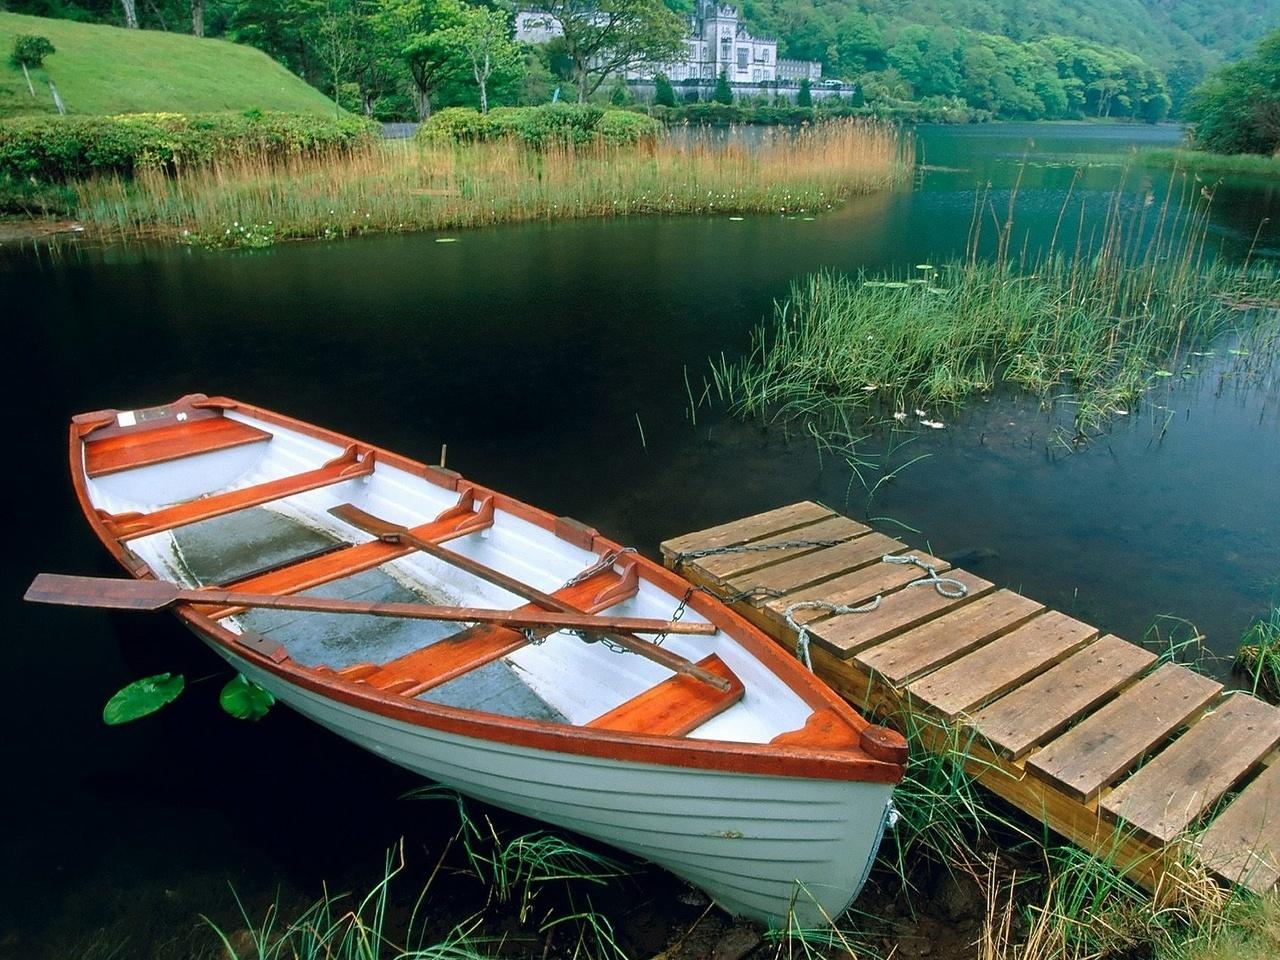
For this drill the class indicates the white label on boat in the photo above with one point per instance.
(126, 419)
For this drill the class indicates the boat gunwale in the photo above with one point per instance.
(852, 763)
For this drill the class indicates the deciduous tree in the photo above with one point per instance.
(483, 36)
(604, 37)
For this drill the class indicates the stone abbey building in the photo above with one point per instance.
(718, 42)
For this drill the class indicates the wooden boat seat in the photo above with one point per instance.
(142, 448)
(447, 659)
(675, 706)
(450, 525)
(350, 464)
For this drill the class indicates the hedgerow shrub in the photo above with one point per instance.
(66, 148)
(540, 126)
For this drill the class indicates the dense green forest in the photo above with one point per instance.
(1010, 59)
(1237, 108)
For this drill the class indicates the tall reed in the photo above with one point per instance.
(406, 185)
(1096, 316)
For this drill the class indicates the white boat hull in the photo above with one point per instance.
(781, 850)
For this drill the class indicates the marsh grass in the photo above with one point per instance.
(404, 185)
(1258, 657)
(1203, 161)
(1095, 320)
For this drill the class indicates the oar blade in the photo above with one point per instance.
(350, 513)
(73, 591)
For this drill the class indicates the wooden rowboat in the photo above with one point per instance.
(714, 755)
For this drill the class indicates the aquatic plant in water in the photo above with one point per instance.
(1096, 324)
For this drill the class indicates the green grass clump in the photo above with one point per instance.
(1258, 657)
(1097, 325)
(109, 70)
(415, 185)
(1202, 161)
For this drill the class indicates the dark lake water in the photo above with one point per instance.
(551, 359)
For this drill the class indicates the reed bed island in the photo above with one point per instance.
(1095, 320)
(435, 184)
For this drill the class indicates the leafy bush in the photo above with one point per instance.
(65, 148)
(539, 126)
(458, 125)
(30, 49)
(624, 126)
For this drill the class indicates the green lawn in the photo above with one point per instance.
(100, 69)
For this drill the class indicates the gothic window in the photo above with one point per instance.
(742, 58)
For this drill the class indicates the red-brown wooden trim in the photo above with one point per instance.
(130, 526)
(451, 657)
(676, 706)
(344, 563)
(130, 449)
(790, 761)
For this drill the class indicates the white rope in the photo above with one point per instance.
(953, 589)
(802, 631)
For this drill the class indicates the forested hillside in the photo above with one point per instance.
(1011, 59)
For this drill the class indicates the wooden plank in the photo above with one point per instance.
(449, 658)
(130, 527)
(747, 529)
(820, 565)
(1079, 823)
(719, 568)
(1099, 749)
(996, 668)
(127, 451)
(675, 706)
(952, 635)
(855, 588)
(1038, 710)
(1243, 844)
(1183, 781)
(898, 612)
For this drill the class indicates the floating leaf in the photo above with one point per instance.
(1163, 373)
(142, 697)
(924, 266)
(1236, 352)
(244, 699)
(737, 218)
(446, 239)
(896, 284)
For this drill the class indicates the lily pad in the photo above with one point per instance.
(142, 697)
(244, 699)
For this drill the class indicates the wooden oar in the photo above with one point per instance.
(395, 533)
(158, 594)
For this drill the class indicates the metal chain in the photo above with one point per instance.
(679, 558)
(949, 587)
(604, 563)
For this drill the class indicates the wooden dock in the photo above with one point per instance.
(1150, 764)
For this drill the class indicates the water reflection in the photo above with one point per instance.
(537, 353)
